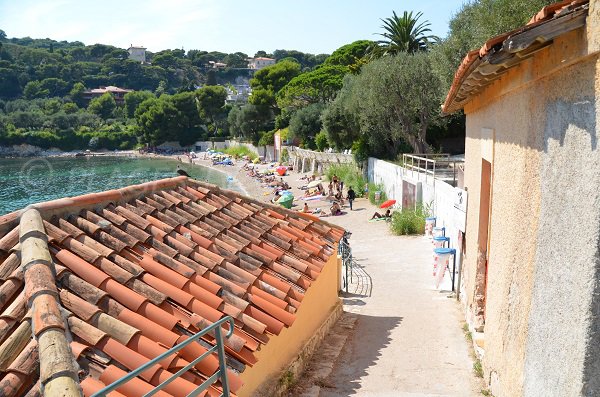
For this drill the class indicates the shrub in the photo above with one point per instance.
(409, 221)
(376, 187)
(350, 175)
(240, 151)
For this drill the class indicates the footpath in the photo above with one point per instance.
(405, 339)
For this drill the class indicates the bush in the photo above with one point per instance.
(350, 175)
(240, 151)
(376, 187)
(409, 221)
(321, 141)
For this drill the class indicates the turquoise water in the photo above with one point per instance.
(31, 180)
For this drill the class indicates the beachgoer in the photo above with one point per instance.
(334, 179)
(305, 209)
(377, 215)
(351, 196)
(335, 209)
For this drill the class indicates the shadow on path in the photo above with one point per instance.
(359, 355)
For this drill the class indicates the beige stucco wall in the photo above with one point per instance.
(320, 299)
(539, 328)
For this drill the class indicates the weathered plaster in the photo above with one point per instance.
(542, 317)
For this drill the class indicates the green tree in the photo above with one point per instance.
(33, 89)
(399, 101)
(306, 123)
(404, 34)
(249, 121)
(320, 85)
(321, 141)
(350, 54)
(103, 106)
(133, 100)
(55, 86)
(76, 94)
(211, 102)
(340, 117)
(268, 81)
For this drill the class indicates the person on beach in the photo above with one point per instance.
(351, 196)
(335, 209)
(377, 215)
(306, 210)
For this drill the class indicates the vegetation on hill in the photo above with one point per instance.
(378, 98)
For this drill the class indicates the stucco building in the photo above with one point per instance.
(137, 53)
(260, 62)
(532, 264)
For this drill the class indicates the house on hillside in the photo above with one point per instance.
(137, 53)
(260, 62)
(532, 264)
(95, 286)
(116, 92)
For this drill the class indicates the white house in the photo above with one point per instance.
(260, 62)
(137, 53)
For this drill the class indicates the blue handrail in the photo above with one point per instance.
(218, 347)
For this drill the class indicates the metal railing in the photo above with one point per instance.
(345, 252)
(218, 347)
(432, 165)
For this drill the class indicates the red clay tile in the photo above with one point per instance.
(39, 279)
(149, 327)
(273, 325)
(275, 282)
(178, 245)
(163, 272)
(90, 386)
(135, 387)
(157, 199)
(82, 268)
(9, 240)
(132, 217)
(268, 297)
(128, 298)
(9, 290)
(78, 306)
(159, 224)
(46, 314)
(197, 238)
(170, 197)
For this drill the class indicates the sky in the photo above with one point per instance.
(313, 26)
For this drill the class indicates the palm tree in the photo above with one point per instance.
(404, 34)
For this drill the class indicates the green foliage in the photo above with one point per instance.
(404, 34)
(373, 188)
(339, 117)
(350, 175)
(409, 221)
(305, 60)
(268, 81)
(267, 138)
(211, 102)
(249, 121)
(240, 151)
(306, 123)
(76, 94)
(321, 141)
(395, 99)
(318, 86)
(103, 106)
(350, 54)
(169, 118)
(133, 100)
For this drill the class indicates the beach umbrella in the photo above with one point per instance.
(286, 192)
(286, 201)
(281, 170)
(314, 184)
(387, 203)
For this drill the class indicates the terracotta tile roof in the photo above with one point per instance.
(480, 67)
(107, 281)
